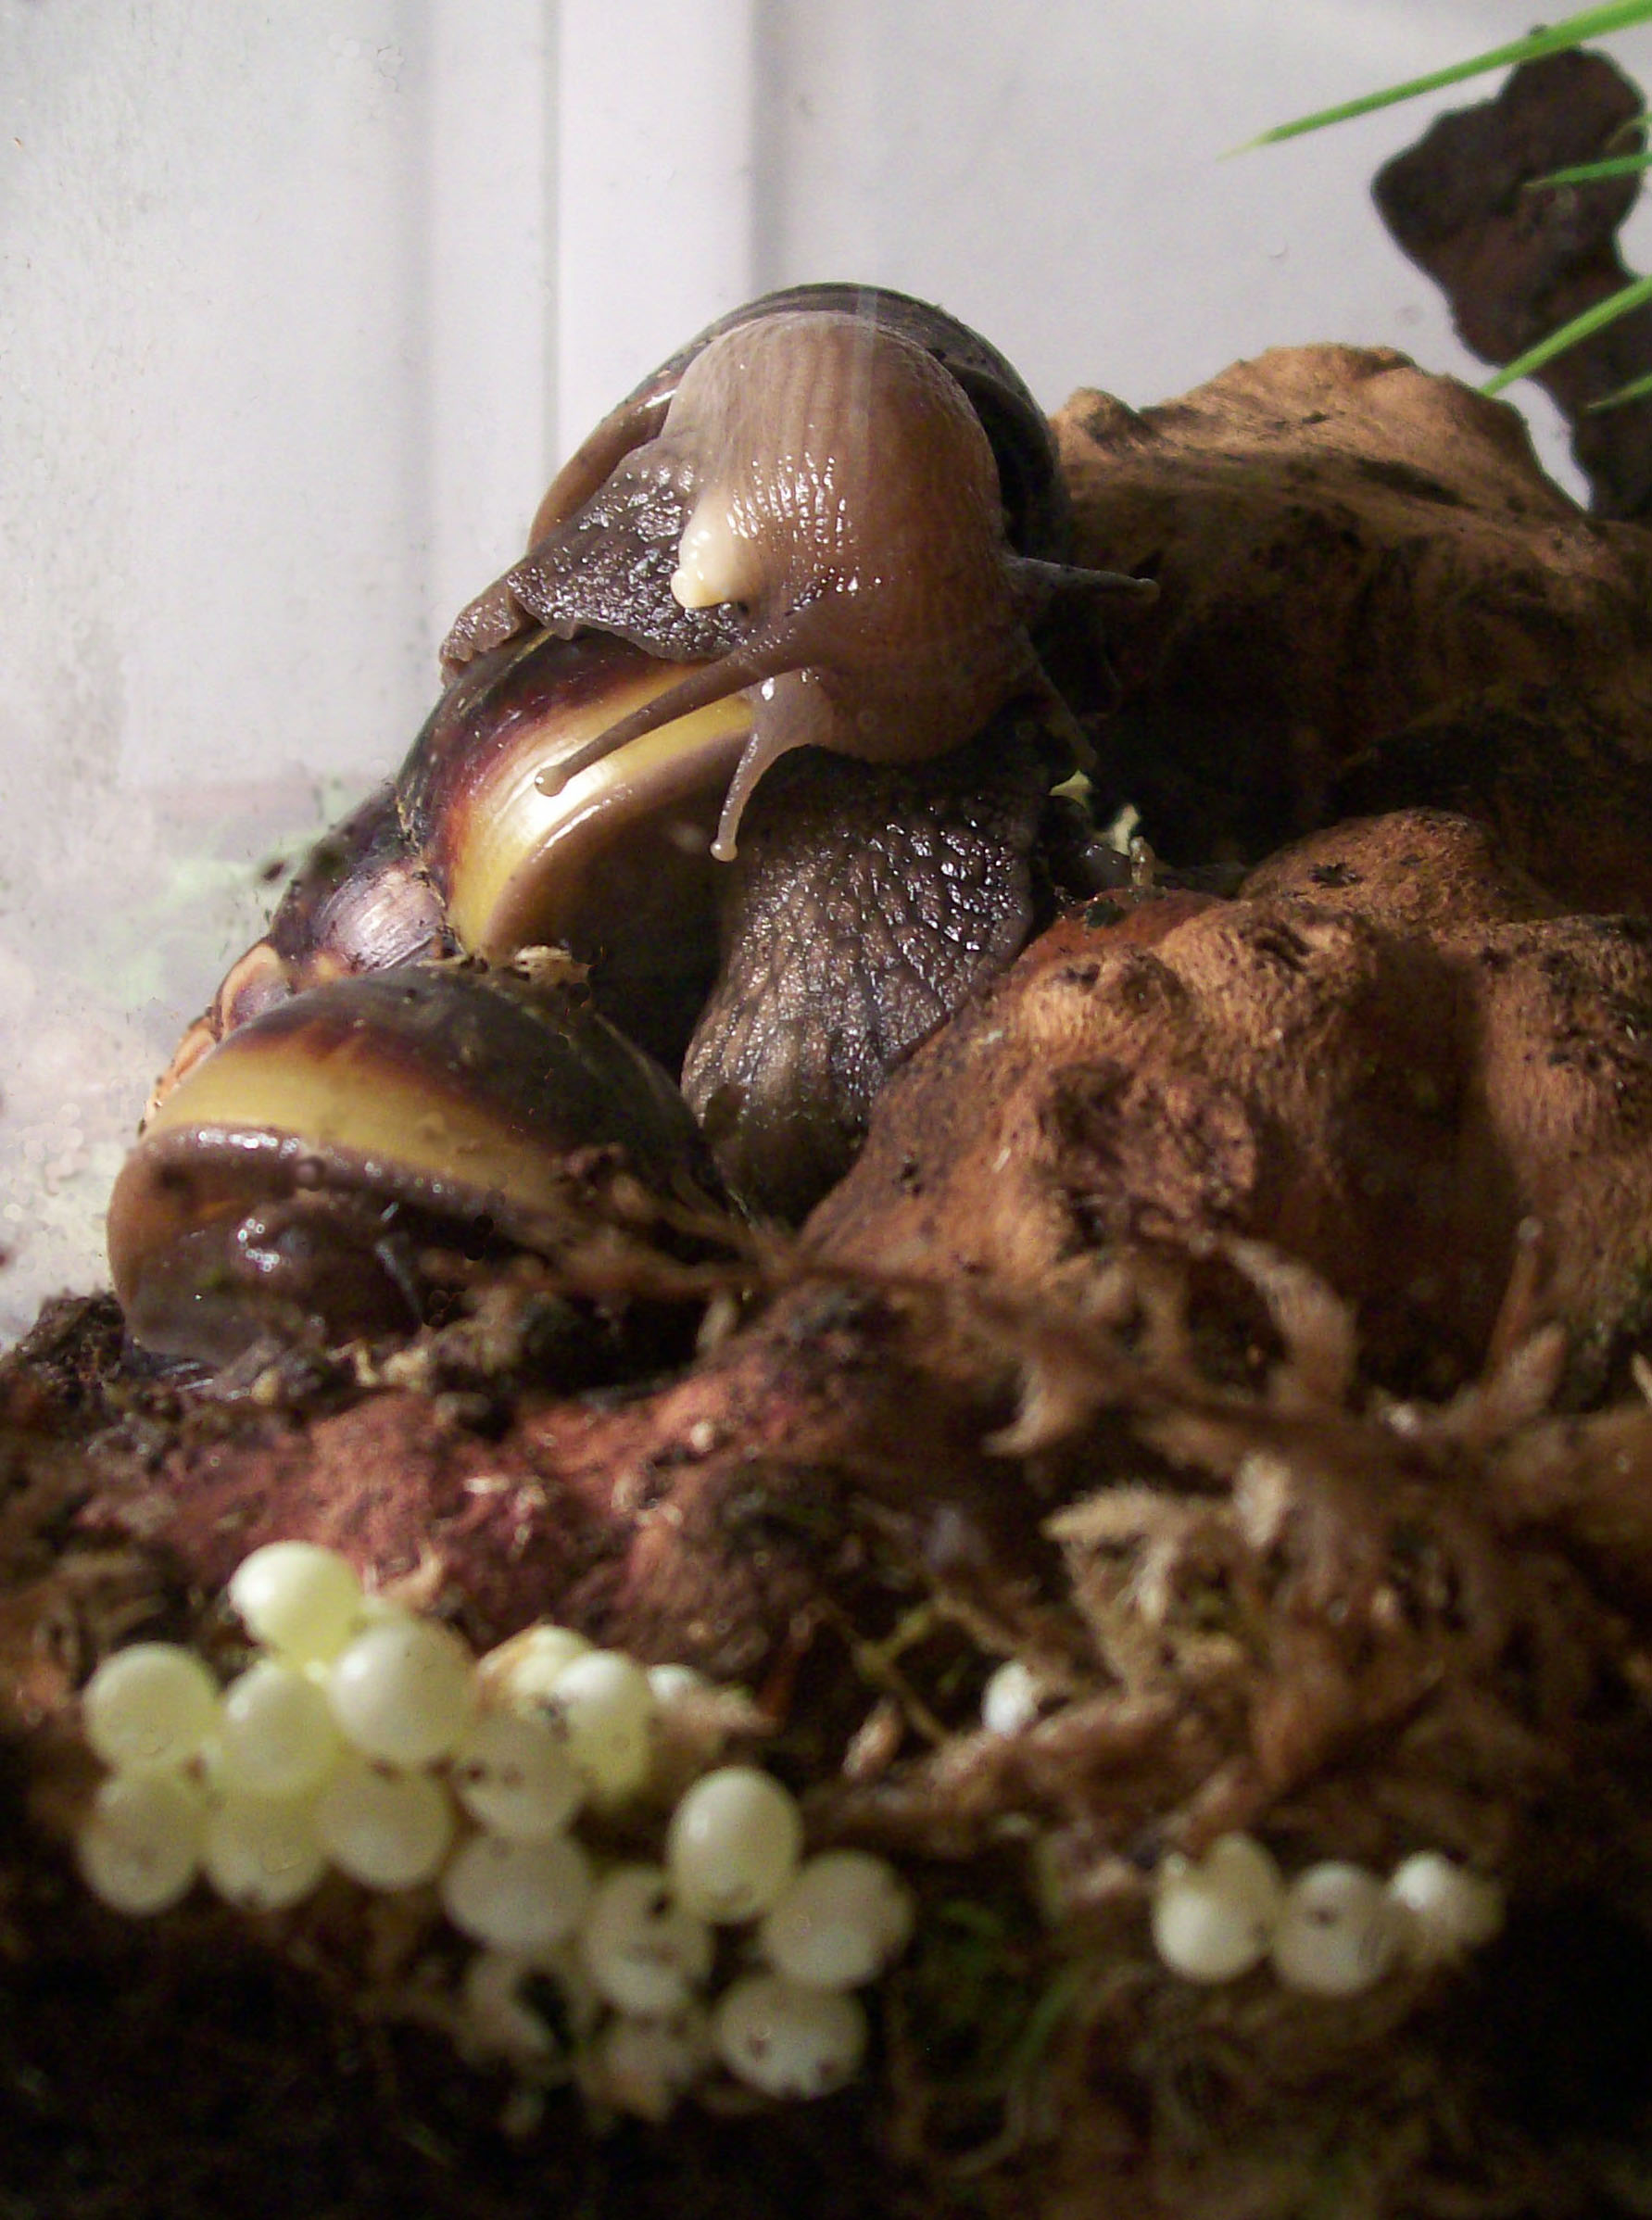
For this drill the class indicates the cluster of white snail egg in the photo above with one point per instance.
(1331, 1931)
(366, 1739)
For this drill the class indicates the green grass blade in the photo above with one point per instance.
(1634, 295)
(1636, 390)
(1587, 173)
(1554, 38)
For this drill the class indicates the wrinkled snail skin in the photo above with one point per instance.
(868, 903)
(290, 1181)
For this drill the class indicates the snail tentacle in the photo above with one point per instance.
(793, 713)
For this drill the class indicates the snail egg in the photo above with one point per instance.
(841, 1918)
(514, 1776)
(153, 1704)
(604, 1702)
(1448, 1909)
(1338, 1931)
(646, 2065)
(404, 1691)
(1012, 1699)
(674, 1684)
(788, 2040)
(384, 1828)
(733, 1844)
(263, 1852)
(524, 1671)
(1214, 1919)
(517, 1895)
(139, 1848)
(276, 1733)
(644, 1952)
(298, 1599)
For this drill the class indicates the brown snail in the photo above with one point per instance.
(842, 512)
(832, 487)
(616, 535)
(297, 1180)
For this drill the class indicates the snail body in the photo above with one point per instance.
(602, 546)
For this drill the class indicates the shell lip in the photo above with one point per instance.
(201, 1220)
(437, 1066)
(181, 1177)
(517, 851)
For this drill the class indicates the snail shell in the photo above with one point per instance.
(292, 1177)
(463, 851)
(360, 902)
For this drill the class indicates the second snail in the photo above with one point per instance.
(760, 734)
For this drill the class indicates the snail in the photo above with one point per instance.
(616, 538)
(836, 496)
(758, 730)
(304, 1175)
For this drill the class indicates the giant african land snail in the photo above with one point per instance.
(841, 511)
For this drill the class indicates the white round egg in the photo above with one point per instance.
(733, 1844)
(842, 1917)
(1213, 1918)
(151, 1704)
(139, 1850)
(788, 2040)
(404, 1691)
(298, 1599)
(1338, 1931)
(643, 1951)
(517, 1895)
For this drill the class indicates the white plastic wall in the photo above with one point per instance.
(301, 303)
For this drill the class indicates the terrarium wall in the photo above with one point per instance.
(302, 304)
